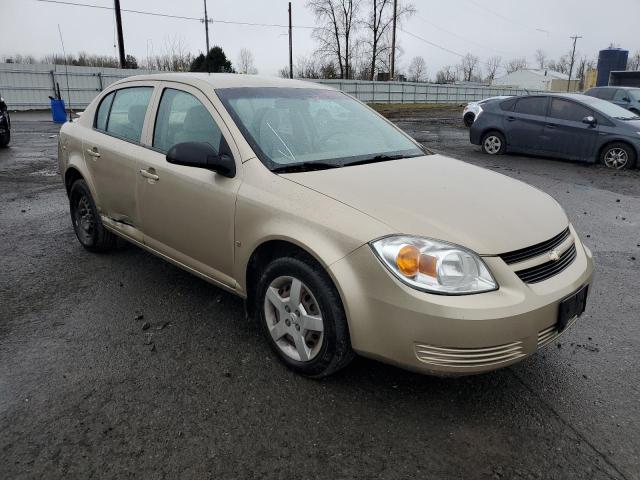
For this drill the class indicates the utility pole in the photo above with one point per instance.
(290, 45)
(392, 74)
(123, 59)
(573, 54)
(206, 26)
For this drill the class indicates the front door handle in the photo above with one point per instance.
(551, 126)
(93, 152)
(149, 175)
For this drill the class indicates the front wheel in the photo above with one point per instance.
(302, 317)
(86, 220)
(618, 156)
(5, 138)
(494, 143)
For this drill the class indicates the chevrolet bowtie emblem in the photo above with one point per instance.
(554, 256)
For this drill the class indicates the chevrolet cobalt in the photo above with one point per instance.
(343, 234)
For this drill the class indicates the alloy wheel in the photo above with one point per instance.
(294, 318)
(492, 144)
(616, 158)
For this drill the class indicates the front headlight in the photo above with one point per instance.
(434, 266)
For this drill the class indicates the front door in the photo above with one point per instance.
(566, 135)
(187, 213)
(525, 124)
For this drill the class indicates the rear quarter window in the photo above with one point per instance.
(103, 112)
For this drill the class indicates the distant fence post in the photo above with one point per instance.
(99, 75)
(53, 83)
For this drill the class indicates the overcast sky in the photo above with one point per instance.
(508, 28)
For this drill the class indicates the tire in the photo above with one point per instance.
(468, 119)
(618, 156)
(86, 222)
(493, 143)
(5, 138)
(312, 352)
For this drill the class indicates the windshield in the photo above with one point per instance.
(313, 128)
(608, 108)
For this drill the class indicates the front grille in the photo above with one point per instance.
(535, 250)
(548, 269)
(469, 357)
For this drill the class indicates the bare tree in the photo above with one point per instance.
(246, 63)
(541, 59)
(468, 67)
(516, 64)
(562, 64)
(377, 23)
(634, 61)
(417, 69)
(493, 64)
(336, 29)
(446, 74)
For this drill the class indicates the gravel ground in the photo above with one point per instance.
(121, 365)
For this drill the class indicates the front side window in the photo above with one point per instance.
(565, 110)
(620, 96)
(635, 94)
(183, 118)
(313, 128)
(128, 110)
(532, 106)
(103, 112)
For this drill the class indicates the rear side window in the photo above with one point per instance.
(507, 105)
(532, 106)
(183, 118)
(606, 93)
(128, 110)
(565, 110)
(103, 112)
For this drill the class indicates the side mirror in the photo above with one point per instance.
(202, 155)
(589, 120)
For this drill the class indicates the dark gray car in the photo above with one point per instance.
(625, 97)
(569, 126)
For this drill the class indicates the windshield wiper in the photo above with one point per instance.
(378, 158)
(304, 167)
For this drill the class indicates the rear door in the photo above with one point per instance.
(565, 134)
(111, 149)
(524, 126)
(187, 213)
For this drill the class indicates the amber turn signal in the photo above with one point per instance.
(408, 260)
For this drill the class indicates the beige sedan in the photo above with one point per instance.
(342, 233)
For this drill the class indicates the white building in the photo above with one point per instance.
(530, 79)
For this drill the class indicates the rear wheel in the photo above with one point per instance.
(494, 143)
(302, 317)
(86, 222)
(618, 156)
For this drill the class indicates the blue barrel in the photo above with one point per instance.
(58, 112)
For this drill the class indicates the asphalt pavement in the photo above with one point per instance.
(123, 366)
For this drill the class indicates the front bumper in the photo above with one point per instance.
(452, 335)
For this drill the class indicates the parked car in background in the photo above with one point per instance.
(470, 112)
(625, 97)
(5, 124)
(342, 233)
(569, 126)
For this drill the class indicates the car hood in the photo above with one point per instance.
(442, 198)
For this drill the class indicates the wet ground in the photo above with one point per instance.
(121, 365)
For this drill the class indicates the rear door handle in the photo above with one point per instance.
(510, 119)
(149, 175)
(551, 125)
(93, 152)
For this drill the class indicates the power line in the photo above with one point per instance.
(461, 37)
(484, 8)
(179, 17)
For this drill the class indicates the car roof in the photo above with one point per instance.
(226, 80)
